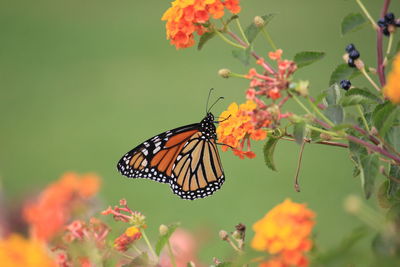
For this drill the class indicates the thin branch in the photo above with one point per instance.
(373, 148)
(296, 178)
(379, 47)
(254, 54)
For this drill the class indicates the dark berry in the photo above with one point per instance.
(386, 31)
(354, 54)
(345, 84)
(382, 23)
(350, 48)
(350, 62)
(389, 18)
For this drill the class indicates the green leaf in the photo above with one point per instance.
(333, 95)
(393, 137)
(163, 239)
(335, 113)
(252, 30)
(204, 39)
(242, 54)
(352, 22)
(225, 264)
(299, 132)
(383, 117)
(343, 72)
(393, 189)
(356, 96)
(320, 97)
(269, 149)
(369, 171)
(306, 58)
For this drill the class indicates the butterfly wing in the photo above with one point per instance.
(154, 158)
(197, 171)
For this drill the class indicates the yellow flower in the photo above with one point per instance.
(18, 251)
(392, 87)
(284, 232)
(237, 129)
(131, 231)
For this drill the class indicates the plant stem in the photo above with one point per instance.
(241, 31)
(328, 143)
(389, 47)
(301, 104)
(380, 68)
(364, 72)
(321, 130)
(296, 178)
(363, 118)
(171, 254)
(226, 40)
(320, 113)
(267, 36)
(254, 54)
(366, 134)
(374, 25)
(148, 244)
(136, 249)
(373, 148)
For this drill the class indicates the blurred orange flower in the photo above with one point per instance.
(285, 233)
(53, 207)
(237, 127)
(18, 251)
(392, 87)
(185, 17)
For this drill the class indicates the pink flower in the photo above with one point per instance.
(184, 248)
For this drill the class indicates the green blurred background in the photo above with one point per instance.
(82, 82)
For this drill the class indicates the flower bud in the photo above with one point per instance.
(374, 131)
(224, 73)
(359, 64)
(302, 88)
(163, 229)
(352, 204)
(123, 202)
(258, 21)
(138, 220)
(223, 235)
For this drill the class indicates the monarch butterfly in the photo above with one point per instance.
(186, 157)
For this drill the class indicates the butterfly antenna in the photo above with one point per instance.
(208, 99)
(219, 98)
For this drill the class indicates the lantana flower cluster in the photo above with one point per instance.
(136, 219)
(53, 208)
(250, 120)
(237, 128)
(185, 17)
(284, 232)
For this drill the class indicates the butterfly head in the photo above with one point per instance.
(207, 126)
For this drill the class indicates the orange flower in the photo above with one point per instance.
(285, 232)
(185, 17)
(130, 235)
(392, 87)
(18, 251)
(52, 209)
(238, 127)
